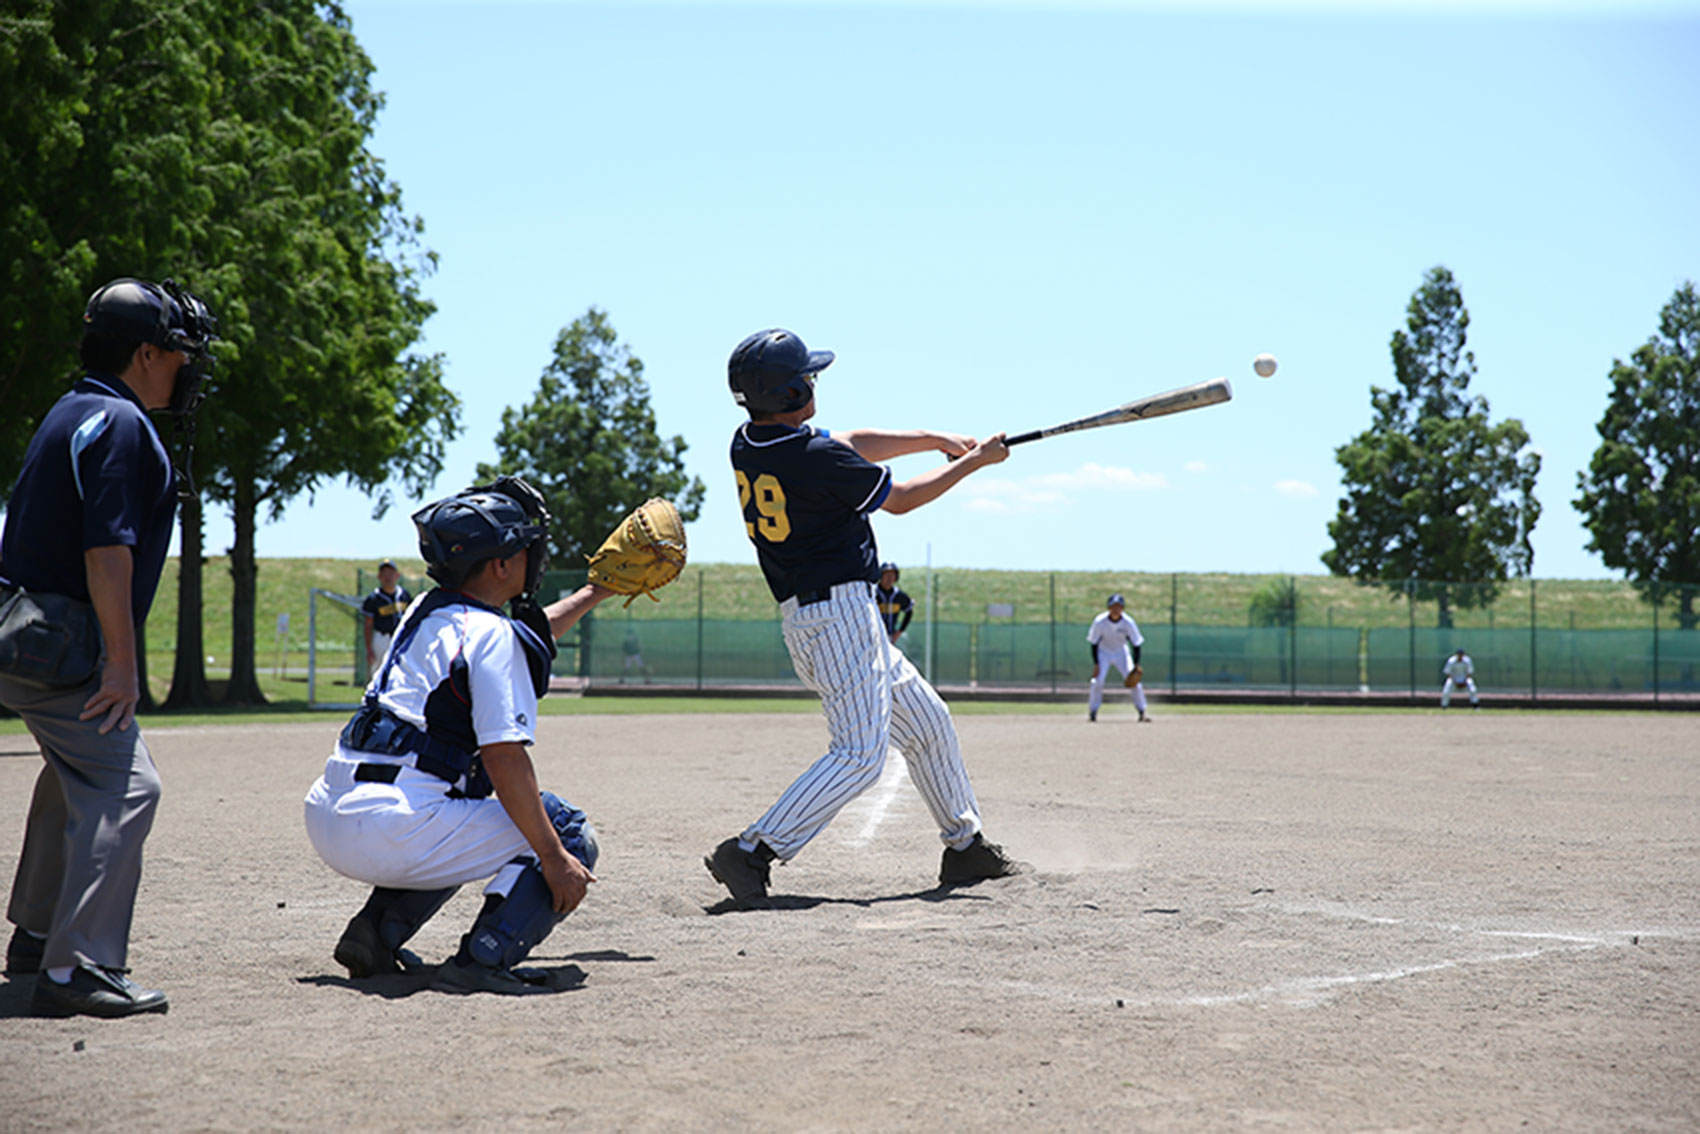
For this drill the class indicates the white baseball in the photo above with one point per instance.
(1264, 364)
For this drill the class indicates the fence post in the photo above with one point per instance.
(1656, 596)
(1533, 642)
(1055, 663)
(1293, 634)
(699, 629)
(1174, 633)
(1411, 648)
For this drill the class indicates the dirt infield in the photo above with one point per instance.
(1279, 921)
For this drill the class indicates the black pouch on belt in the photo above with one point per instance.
(48, 640)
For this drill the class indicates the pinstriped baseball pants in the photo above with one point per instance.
(874, 699)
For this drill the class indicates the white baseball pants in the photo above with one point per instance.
(874, 700)
(1123, 664)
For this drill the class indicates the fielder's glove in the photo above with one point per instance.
(1135, 677)
(644, 553)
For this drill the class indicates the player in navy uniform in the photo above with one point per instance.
(807, 496)
(381, 612)
(896, 607)
(91, 519)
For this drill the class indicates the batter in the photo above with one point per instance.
(807, 497)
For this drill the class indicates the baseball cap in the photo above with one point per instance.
(387, 563)
(1116, 600)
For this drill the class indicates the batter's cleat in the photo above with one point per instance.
(976, 862)
(94, 990)
(463, 976)
(24, 952)
(744, 873)
(363, 953)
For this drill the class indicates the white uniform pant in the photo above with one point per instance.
(1468, 683)
(1123, 663)
(410, 835)
(874, 699)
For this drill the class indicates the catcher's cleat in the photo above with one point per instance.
(363, 953)
(976, 862)
(743, 872)
(460, 977)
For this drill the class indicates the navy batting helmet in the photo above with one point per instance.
(489, 521)
(892, 567)
(165, 315)
(773, 372)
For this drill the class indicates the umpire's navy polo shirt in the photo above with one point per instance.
(96, 474)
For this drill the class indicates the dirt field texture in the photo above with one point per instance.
(1268, 921)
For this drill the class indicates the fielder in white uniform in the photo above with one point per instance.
(1115, 640)
(1458, 673)
(430, 786)
(807, 497)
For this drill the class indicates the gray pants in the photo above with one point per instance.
(92, 809)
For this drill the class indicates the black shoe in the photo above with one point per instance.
(1092, 714)
(744, 873)
(24, 952)
(363, 953)
(976, 862)
(461, 976)
(94, 991)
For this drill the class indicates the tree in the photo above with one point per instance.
(1439, 501)
(1640, 496)
(588, 442)
(226, 145)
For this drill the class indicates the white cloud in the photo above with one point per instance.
(1196, 467)
(1295, 488)
(1049, 490)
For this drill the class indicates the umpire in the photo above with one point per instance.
(90, 519)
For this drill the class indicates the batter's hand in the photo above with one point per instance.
(568, 880)
(954, 445)
(991, 451)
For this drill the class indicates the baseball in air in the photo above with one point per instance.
(1264, 364)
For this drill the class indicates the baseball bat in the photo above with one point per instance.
(1196, 396)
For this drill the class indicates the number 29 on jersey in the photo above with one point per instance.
(763, 505)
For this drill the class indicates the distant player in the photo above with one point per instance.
(896, 607)
(807, 497)
(1115, 640)
(382, 611)
(1458, 673)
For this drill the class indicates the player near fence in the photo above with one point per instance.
(381, 613)
(807, 497)
(896, 607)
(1114, 640)
(430, 785)
(1458, 672)
(88, 527)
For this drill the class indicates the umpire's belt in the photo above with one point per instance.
(377, 730)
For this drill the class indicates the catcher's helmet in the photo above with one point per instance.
(165, 315)
(489, 521)
(773, 372)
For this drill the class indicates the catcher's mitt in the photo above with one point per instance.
(1135, 677)
(644, 553)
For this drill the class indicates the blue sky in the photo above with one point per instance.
(1003, 216)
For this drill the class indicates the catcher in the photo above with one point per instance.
(430, 786)
(1115, 640)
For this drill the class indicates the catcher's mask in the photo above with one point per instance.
(773, 372)
(487, 521)
(169, 317)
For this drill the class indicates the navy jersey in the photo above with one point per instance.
(96, 474)
(806, 500)
(896, 609)
(385, 610)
